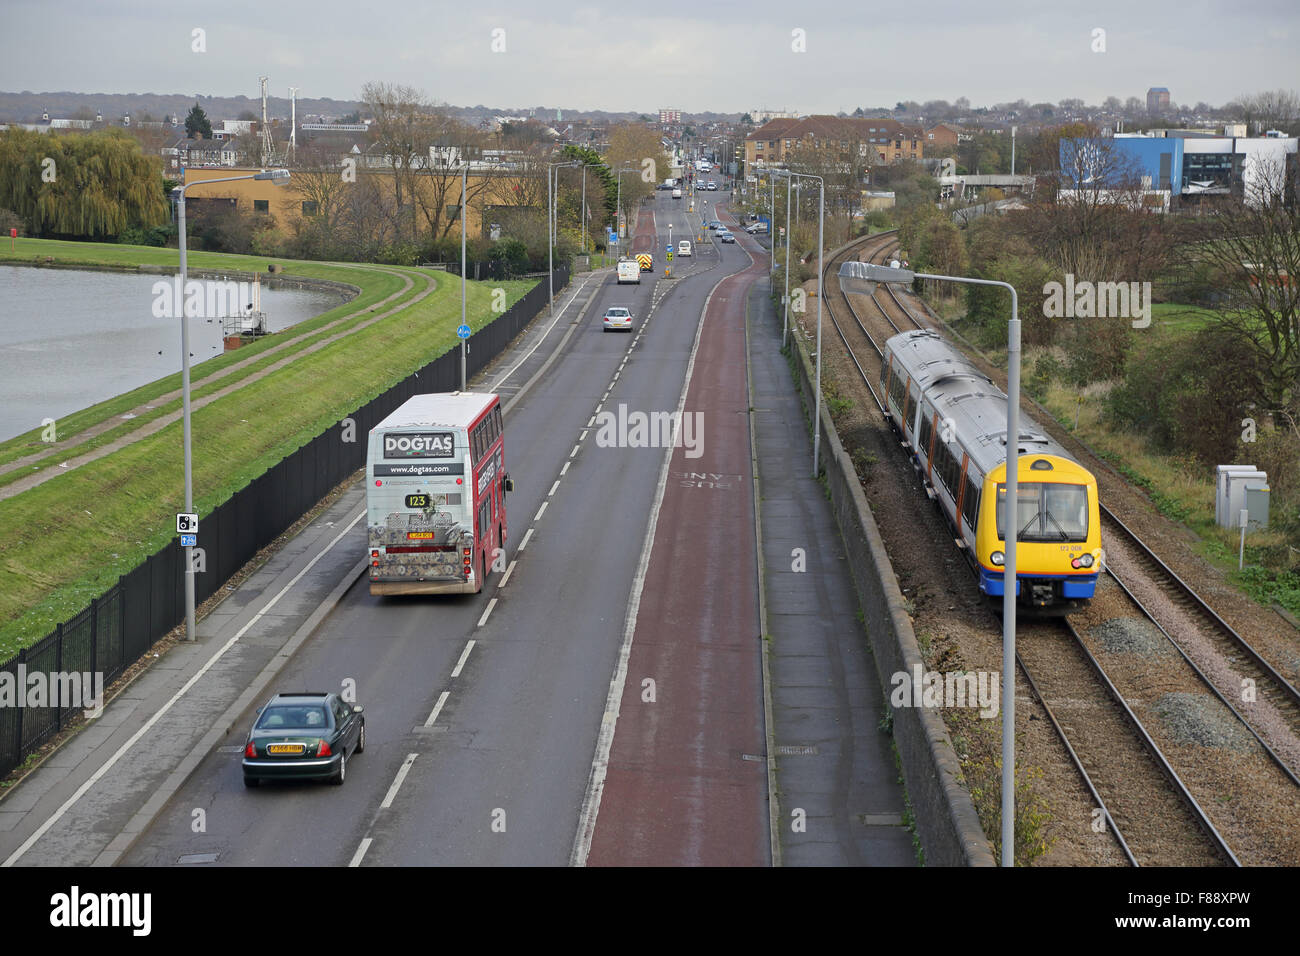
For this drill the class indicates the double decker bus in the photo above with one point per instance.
(435, 494)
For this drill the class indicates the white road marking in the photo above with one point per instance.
(557, 483)
(361, 851)
(524, 543)
(581, 438)
(539, 511)
(464, 655)
(614, 699)
(496, 385)
(506, 577)
(591, 420)
(483, 620)
(149, 724)
(402, 771)
(564, 469)
(575, 449)
(437, 708)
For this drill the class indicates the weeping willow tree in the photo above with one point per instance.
(84, 186)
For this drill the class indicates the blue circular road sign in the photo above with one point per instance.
(463, 331)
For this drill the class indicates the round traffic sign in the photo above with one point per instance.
(463, 331)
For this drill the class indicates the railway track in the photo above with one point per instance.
(1145, 805)
(879, 244)
(1246, 662)
(1278, 696)
(1183, 834)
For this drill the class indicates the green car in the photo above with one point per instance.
(306, 736)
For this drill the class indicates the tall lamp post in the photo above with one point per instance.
(618, 200)
(785, 329)
(464, 343)
(862, 277)
(585, 166)
(279, 177)
(821, 222)
(771, 222)
(550, 224)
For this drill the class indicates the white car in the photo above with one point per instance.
(617, 317)
(684, 248)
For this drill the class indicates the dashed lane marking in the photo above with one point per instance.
(464, 655)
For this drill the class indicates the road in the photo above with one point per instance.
(503, 775)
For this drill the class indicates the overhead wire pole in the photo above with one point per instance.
(865, 276)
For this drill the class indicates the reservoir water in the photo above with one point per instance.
(70, 339)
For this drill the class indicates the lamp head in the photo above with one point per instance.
(861, 278)
(279, 177)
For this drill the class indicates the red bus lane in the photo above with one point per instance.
(644, 238)
(686, 782)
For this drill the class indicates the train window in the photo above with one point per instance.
(971, 504)
(952, 474)
(927, 429)
(909, 406)
(942, 463)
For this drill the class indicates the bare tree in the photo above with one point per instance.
(1271, 109)
(402, 133)
(1253, 246)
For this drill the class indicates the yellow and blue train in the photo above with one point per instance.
(953, 419)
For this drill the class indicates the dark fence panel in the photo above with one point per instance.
(147, 602)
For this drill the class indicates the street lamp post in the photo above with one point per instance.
(786, 327)
(862, 277)
(550, 224)
(279, 177)
(821, 221)
(464, 343)
(771, 222)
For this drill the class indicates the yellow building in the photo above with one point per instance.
(287, 205)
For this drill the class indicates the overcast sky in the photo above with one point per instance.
(701, 55)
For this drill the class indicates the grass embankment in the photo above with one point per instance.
(1182, 491)
(68, 540)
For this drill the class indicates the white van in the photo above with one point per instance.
(629, 270)
(684, 247)
(677, 193)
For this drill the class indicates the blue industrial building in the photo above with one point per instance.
(1121, 160)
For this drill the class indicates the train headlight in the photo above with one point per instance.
(1083, 561)
(997, 557)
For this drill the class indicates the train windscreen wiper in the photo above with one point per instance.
(1065, 536)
